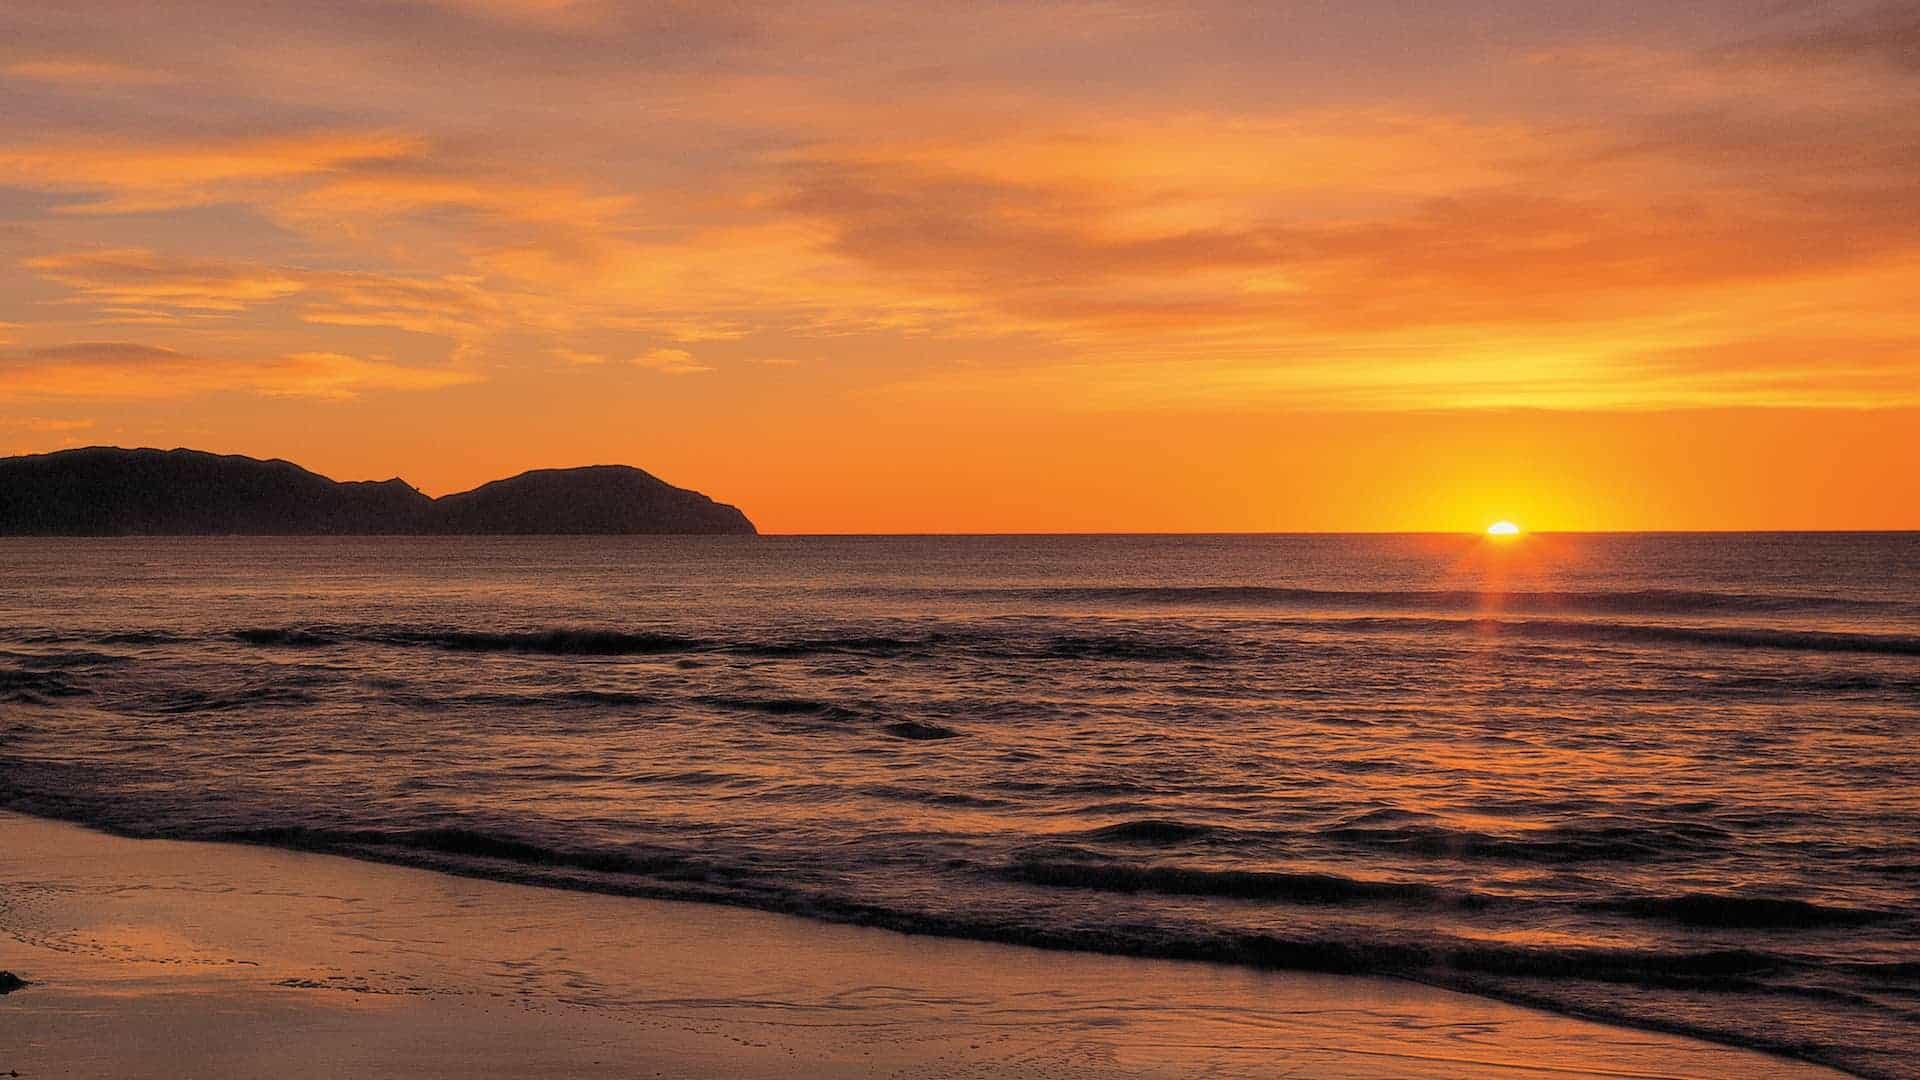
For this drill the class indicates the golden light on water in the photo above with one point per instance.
(1503, 528)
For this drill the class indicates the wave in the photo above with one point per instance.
(187, 701)
(1151, 831)
(37, 687)
(1605, 602)
(114, 637)
(664, 872)
(1554, 846)
(1730, 637)
(593, 642)
(825, 711)
(1547, 975)
(924, 797)
(1120, 646)
(1718, 911)
(1123, 647)
(291, 638)
(1735, 912)
(1296, 888)
(1819, 682)
(478, 843)
(1411, 833)
(580, 697)
(62, 661)
(919, 731)
(555, 642)
(550, 642)
(852, 645)
(774, 706)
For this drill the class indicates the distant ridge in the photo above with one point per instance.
(110, 491)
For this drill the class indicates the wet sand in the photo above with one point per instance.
(151, 958)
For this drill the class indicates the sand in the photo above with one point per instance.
(150, 958)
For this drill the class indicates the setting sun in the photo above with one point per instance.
(1503, 528)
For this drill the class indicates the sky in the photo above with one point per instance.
(1096, 265)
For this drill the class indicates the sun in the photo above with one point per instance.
(1503, 528)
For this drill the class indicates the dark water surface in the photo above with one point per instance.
(1667, 779)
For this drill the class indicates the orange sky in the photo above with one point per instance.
(1100, 265)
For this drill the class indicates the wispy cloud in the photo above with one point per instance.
(138, 278)
(123, 371)
(84, 73)
(671, 362)
(1887, 34)
(45, 425)
(136, 285)
(120, 176)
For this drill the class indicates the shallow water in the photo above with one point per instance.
(1666, 779)
(157, 958)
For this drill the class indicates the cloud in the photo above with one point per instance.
(448, 307)
(125, 371)
(1887, 35)
(139, 176)
(688, 329)
(45, 425)
(1500, 255)
(553, 13)
(671, 362)
(381, 194)
(1564, 371)
(84, 73)
(135, 277)
(136, 285)
(939, 187)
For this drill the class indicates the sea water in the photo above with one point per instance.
(1672, 780)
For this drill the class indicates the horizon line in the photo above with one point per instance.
(1002, 534)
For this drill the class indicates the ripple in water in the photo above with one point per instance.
(1664, 779)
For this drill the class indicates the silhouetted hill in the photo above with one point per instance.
(595, 499)
(108, 491)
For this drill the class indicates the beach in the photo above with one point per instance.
(157, 958)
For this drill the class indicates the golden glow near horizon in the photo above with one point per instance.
(1503, 528)
(1050, 266)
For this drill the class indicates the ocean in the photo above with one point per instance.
(1671, 780)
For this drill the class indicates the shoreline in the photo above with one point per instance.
(147, 957)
